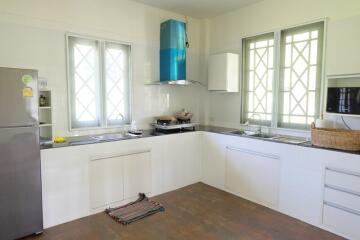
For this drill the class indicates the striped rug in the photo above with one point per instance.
(136, 210)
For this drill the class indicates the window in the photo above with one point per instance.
(300, 75)
(282, 77)
(98, 82)
(259, 74)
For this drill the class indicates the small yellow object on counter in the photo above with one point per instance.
(59, 140)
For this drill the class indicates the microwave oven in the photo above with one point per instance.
(343, 100)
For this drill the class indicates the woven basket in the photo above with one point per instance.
(335, 138)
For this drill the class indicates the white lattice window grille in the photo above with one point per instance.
(259, 76)
(84, 84)
(300, 76)
(282, 74)
(98, 82)
(117, 84)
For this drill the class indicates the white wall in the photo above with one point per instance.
(227, 30)
(33, 36)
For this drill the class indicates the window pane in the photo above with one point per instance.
(117, 83)
(99, 82)
(259, 71)
(84, 82)
(300, 76)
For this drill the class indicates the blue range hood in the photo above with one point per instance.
(173, 44)
(172, 51)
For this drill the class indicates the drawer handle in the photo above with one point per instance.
(243, 150)
(345, 209)
(356, 174)
(344, 190)
(119, 155)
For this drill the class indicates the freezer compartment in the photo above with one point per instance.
(18, 97)
(20, 182)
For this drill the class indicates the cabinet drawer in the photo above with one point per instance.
(343, 179)
(342, 221)
(341, 198)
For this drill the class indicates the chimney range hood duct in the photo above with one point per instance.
(173, 44)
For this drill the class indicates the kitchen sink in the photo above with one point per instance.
(237, 132)
(275, 138)
(293, 140)
(261, 135)
(109, 137)
(250, 134)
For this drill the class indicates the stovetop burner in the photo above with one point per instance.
(169, 123)
(166, 127)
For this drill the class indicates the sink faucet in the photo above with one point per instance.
(258, 127)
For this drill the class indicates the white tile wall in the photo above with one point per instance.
(33, 36)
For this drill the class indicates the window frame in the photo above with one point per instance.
(319, 65)
(277, 72)
(102, 98)
(245, 81)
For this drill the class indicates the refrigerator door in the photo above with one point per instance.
(20, 182)
(18, 97)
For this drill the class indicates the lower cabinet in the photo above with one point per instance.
(137, 174)
(78, 181)
(106, 181)
(182, 160)
(253, 175)
(341, 210)
(113, 179)
(344, 222)
(213, 163)
(82, 180)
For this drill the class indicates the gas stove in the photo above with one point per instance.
(165, 127)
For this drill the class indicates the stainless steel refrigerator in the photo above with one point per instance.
(20, 167)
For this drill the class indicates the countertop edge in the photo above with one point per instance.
(201, 128)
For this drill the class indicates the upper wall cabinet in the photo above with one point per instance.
(224, 72)
(343, 49)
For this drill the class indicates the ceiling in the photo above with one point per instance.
(198, 8)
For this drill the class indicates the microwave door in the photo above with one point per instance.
(343, 100)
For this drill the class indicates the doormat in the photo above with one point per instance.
(136, 210)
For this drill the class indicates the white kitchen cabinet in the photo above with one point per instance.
(65, 184)
(342, 201)
(343, 179)
(82, 180)
(342, 198)
(342, 222)
(343, 50)
(223, 72)
(106, 181)
(213, 163)
(281, 176)
(137, 174)
(182, 160)
(253, 175)
(294, 174)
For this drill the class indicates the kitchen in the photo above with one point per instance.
(311, 191)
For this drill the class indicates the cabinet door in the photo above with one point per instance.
(137, 174)
(265, 179)
(213, 166)
(182, 160)
(238, 173)
(253, 175)
(106, 181)
(343, 50)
